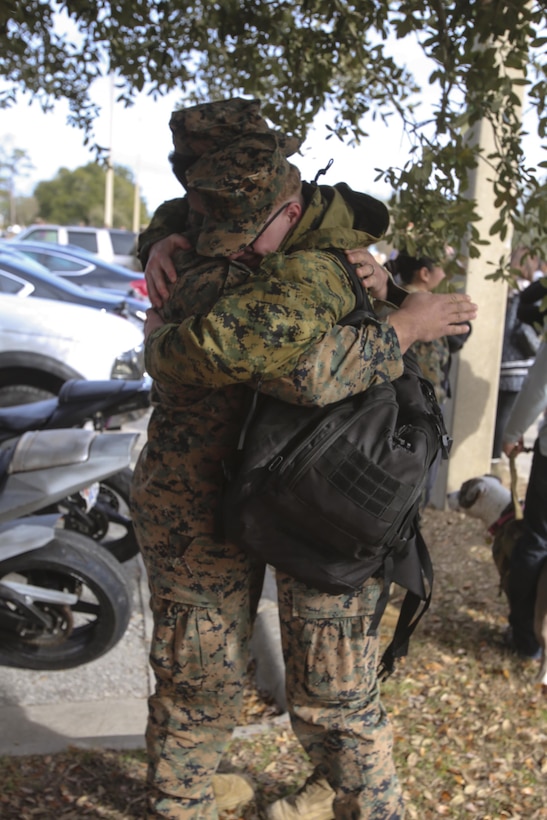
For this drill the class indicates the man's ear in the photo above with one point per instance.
(293, 212)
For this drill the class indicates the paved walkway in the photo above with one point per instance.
(100, 703)
(104, 703)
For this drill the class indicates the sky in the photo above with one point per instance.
(141, 140)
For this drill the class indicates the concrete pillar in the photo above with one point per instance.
(475, 382)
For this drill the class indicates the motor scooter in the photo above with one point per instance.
(102, 406)
(64, 601)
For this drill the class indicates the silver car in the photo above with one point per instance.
(43, 343)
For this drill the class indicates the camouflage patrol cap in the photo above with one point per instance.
(237, 189)
(210, 127)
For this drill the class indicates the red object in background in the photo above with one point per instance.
(140, 286)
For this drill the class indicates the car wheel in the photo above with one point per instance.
(12, 394)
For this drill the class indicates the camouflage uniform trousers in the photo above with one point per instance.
(202, 613)
(203, 603)
(333, 696)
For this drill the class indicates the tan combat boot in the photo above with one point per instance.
(312, 802)
(231, 791)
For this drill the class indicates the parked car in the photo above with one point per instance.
(110, 244)
(43, 343)
(82, 267)
(24, 277)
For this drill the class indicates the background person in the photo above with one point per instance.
(532, 304)
(519, 348)
(423, 274)
(530, 551)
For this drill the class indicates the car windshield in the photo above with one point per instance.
(56, 263)
(43, 235)
(85, 239)
(123, 242)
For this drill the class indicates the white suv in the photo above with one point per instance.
(43, 343)
(110, 244)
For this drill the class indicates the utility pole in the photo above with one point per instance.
(477, 375)
(478, 362)
(137, 199)
(109, 184)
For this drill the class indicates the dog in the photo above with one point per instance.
(488, 500)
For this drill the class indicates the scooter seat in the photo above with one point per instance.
(21, 417)
(80, 390)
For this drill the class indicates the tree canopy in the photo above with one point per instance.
(300, 58)
(77, 197)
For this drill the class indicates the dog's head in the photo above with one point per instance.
(484, 498)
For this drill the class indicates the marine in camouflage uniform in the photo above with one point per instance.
(434, 361)
(262, 324)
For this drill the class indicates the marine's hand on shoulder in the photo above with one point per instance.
(373, 276)
(160, 271)
(427, 316)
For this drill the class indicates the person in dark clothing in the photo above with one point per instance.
(421, 273)
(518, 351)
(530, 551)
(519, 347)
(532, 305)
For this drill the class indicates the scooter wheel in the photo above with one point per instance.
(50, 635)
(113, 503)
(109, 521)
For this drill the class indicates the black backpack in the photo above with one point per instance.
(331, 495)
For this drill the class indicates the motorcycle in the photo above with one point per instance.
(102, 406)
(63, 601)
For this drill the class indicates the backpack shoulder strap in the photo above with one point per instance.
(363, 306)
(410, 614)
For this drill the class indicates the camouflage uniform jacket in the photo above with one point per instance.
(434, 361)
(258, 331)
(254, 325)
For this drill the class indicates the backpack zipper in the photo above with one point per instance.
(318, 452)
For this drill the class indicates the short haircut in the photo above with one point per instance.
(292, 186)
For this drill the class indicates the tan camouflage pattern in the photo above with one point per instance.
(203, 129)
(178, 476)
(344, 362)
(170, 217)
(199, 655)
(204, 592)
(333, 696)
(237, 201)
(257, 330)
(293, 299)
(434, 360)
(226, 152)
